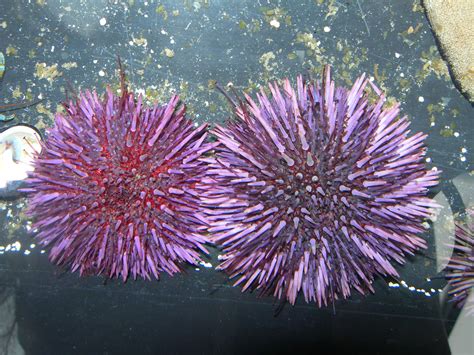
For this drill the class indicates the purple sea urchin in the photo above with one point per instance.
(314, 189)
(115, 187)
(460, 269)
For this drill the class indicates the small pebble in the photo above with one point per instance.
(275, 23)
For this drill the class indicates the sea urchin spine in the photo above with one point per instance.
(315, 189)
(115, 189)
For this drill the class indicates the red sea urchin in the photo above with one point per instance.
(316, 189)
(115, 189)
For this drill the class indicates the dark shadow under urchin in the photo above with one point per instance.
(315, 189)
(116, 187)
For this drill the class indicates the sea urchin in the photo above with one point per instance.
(115, 187)
(315, 189)
(460, 269)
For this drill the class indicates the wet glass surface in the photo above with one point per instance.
(187, 47)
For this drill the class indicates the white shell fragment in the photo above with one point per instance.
(17, 147)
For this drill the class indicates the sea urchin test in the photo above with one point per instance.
(316, 190)
(115, 189)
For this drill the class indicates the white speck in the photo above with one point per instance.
(101, 73)
(463, 158)
(421, 99)
(371, 78)
(27, 252)
(463, 150)
(16, 245)
(52, 49)
(203, 263)
(433, 290)
(397, 55)
(428, 160)
(220, 257)
(275, 23)
(327, 29)
(440, 290)
(197, 269)
(402, 75)
(432, 124)
(172, 41)
(427, 294)
(411, 288)
(456, 134)
(32, 246)
(42, 251)
(103, 21)
(428, 279)
(163, 32)
(393, 284)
